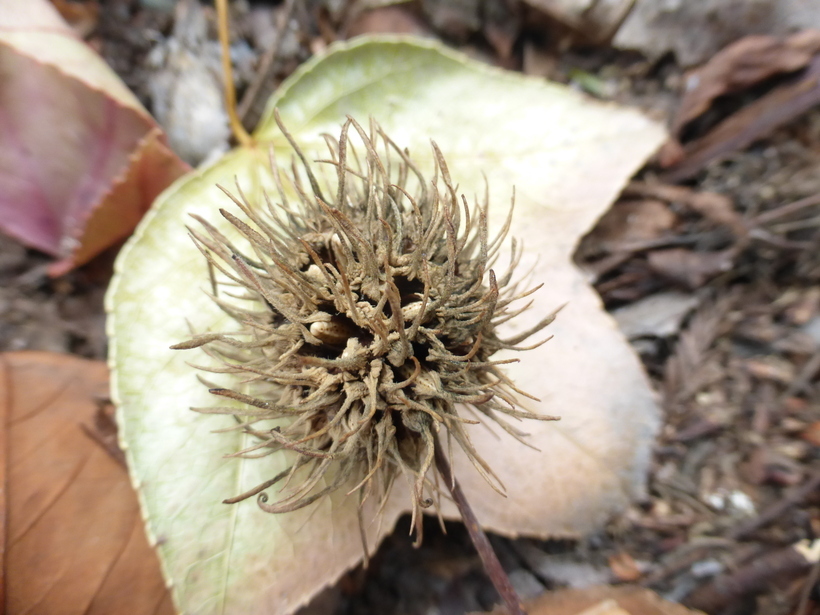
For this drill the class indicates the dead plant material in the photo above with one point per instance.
(689, 268)
(755, 577)
(689, 369)
(384, 20)
(249, 107)
(752, 122)
(632, 223)
(482, 543)
(363, 317)
(741, 65)
(624, 567)
(713, 206)
(793, 497)
(103, 430)
(75, 537)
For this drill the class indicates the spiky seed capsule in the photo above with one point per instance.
(367, 321)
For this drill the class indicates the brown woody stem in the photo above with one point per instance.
(492, 566)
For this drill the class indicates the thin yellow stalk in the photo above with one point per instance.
(237, 128)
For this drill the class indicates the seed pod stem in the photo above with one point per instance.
(489, 559)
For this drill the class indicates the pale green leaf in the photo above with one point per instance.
(567, 157)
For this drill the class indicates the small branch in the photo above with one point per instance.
(754, 578)
(778, 508)
(497, 575)
(785, 210)
(237, 128)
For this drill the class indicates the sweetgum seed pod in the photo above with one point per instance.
(365, 323)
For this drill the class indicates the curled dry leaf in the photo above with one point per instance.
(497, 131)
(81, 160)
(75, 536)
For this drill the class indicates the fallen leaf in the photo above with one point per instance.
(542, 138)
(76, 542)
(713, 206)
(752, 122)
(742, 65)
(689, 268)
(81, 159)
(624, 567)
(387, 20)
(659, 315)
(718, 208)
(631, 223)
(604, 600)
(656, 27)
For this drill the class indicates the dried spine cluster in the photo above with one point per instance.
(368, 321)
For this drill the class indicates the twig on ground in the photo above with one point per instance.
(752, 579)
(805, 593)
(785, 210)
(773, 512)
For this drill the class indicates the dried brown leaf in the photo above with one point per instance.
(631, 222)
(387, 20)
(689, 368)
(624, 566)
(752, 122)
(713, 206)
(690, 268)
(659, 315)
(76, 542)
(741, 65)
